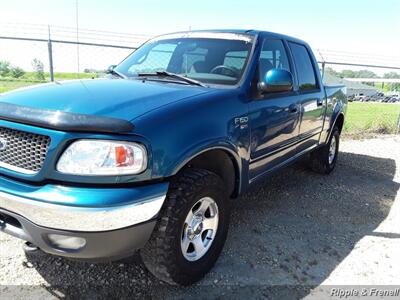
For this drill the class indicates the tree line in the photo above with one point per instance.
(366, 74)
(8, 70)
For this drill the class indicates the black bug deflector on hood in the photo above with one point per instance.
(63, 121)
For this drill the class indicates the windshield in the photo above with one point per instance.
(207, 60)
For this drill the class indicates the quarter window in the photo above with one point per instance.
(304, 67)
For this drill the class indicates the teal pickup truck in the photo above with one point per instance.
(150, 157)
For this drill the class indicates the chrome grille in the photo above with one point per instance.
(22, 151)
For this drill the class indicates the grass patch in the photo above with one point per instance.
(371, 118)
(61, 76)
(8, 83)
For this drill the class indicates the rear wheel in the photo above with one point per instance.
(192, 228)
(323, 160)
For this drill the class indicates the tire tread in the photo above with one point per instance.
(158, 255)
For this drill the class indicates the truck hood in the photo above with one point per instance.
(114, 98)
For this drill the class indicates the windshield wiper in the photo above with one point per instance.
(173, 75)
(113, 72)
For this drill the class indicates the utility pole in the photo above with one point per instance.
(50, 49)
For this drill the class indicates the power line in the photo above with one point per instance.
(98, 36)
(71, 29)
(65, 42)
(357, 53)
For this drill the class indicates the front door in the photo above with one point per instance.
(274, 117)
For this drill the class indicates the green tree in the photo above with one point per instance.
(4, 68)
(17, 72)
(393, 75)
(358, 74)
(347, 74)
(366, 74)
(38, 66)
(333, 72)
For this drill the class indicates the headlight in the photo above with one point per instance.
(103, 157)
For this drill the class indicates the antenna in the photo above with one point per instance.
(77, 35)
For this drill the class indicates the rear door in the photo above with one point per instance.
(311, 96)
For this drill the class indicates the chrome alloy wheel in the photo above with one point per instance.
(332, 150)
(199, 229)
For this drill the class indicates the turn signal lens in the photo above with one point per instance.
(121, 155)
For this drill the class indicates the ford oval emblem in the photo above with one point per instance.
(3, 144)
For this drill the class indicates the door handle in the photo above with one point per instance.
(319, 102)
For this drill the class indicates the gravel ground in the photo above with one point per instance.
(290, 235)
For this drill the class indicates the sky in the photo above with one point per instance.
(359, 26)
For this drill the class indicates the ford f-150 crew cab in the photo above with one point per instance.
(149, 157)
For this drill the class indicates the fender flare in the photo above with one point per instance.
(334, 118)
(224, 146)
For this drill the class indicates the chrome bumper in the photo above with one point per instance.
(88, 219)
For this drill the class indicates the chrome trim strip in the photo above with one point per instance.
(89, 219)
(17, 169)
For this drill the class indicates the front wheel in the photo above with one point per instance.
(323, 160)
(192, 228)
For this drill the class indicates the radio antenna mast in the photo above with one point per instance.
(77, 36)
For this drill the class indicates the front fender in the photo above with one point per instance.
(181, 131)
(208, 146)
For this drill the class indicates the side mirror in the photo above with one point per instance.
(275, 81)
(110, 69)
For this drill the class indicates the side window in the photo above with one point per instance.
(272, 56)
(159, 56)
(304, 67)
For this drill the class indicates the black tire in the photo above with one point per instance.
(162, 254)
(319, 158)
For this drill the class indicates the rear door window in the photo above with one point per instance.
(304, 67)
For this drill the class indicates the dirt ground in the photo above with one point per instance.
(291, 235)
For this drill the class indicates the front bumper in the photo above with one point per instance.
(88, 246)
(88, 219)
(81, 222)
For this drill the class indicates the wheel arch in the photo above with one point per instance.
(221, 160)
(338, 120)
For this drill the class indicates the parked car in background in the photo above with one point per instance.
(379, 97)
(151, 157)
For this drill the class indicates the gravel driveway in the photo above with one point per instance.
(290, 234)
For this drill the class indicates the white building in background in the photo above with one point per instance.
(353, 87)
(359, 91)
